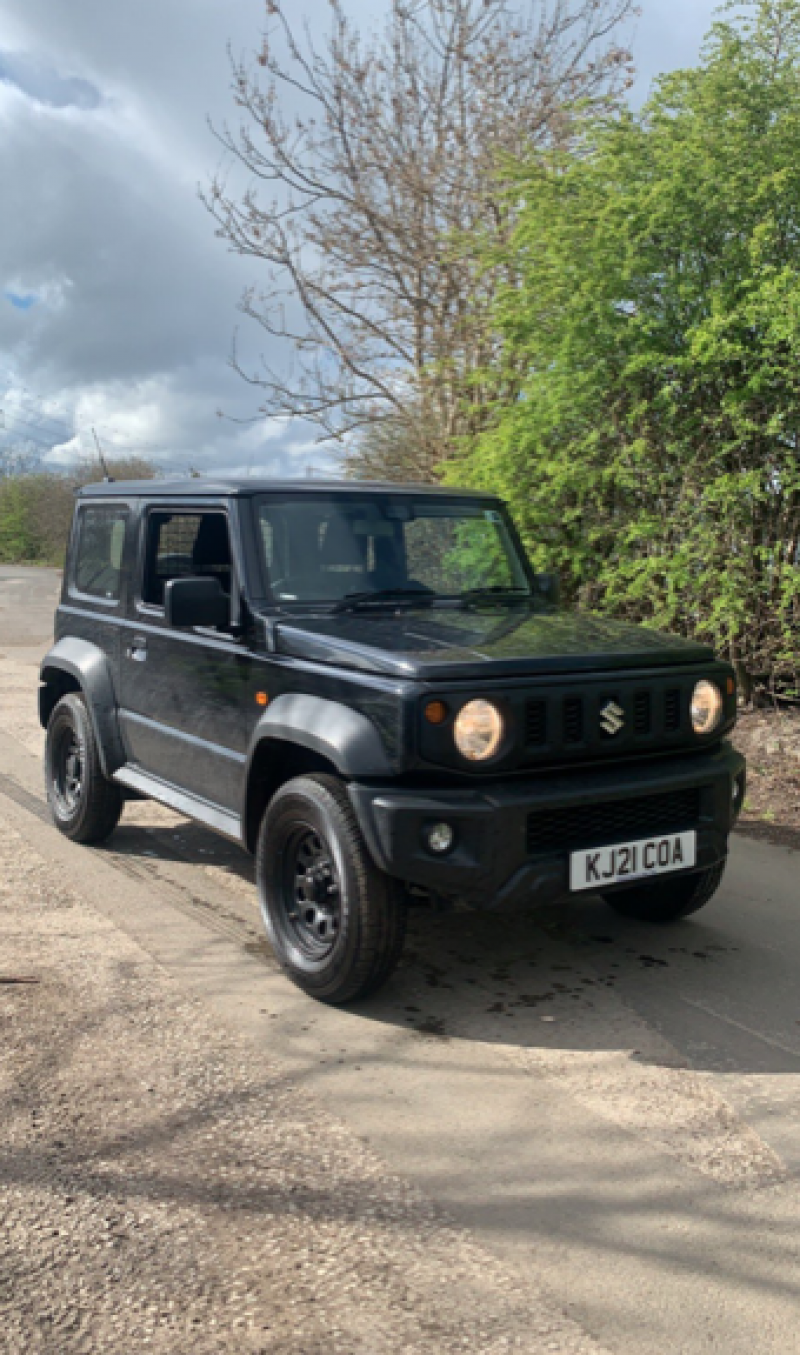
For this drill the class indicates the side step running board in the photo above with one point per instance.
(221, 820)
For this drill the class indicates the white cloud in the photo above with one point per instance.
(161, 418)
(103, 139)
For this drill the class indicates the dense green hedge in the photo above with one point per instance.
(654, 453)
(35, 513)
(36, 510)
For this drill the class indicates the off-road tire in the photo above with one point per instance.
(92, 814)
(669, 899)
(370, 929)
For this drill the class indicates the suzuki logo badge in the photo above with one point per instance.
(612, 718)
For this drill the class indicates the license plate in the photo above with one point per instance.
(632, 861)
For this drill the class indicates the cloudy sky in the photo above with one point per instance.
(117, 302)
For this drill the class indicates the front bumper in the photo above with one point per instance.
(493, 864)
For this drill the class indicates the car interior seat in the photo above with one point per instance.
(343, 557)
(211, 552)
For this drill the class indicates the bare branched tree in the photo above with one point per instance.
(402, 444)
(371, 165)
(89, 471)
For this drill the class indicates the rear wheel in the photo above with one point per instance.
(86, 807)
(669, 899)
(336, 923)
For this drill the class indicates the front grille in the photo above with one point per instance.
(642, 717)
(620, 821)
(576, 724)
(672, 712)
(573, 719)
(536, 724)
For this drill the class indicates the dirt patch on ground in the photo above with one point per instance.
(770, 740)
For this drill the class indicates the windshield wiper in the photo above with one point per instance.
(351, 601)
(494, 590)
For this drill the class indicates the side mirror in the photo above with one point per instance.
(548, 586)
(196, 602)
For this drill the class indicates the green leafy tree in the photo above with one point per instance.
(17, 536)
(36, 508)
(653, 452)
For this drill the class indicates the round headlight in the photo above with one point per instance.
(706, 707)
(478, 730)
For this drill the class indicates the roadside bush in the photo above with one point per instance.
(36, 509)
(653, 454)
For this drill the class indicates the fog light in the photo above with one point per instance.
(440, 838)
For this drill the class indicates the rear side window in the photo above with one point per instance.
(185, 545)
(98, 561)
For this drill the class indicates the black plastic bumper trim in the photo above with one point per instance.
(491, 866)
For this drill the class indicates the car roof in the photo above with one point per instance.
(197, 487)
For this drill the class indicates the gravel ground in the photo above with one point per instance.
(163, 1187)
(770, 740)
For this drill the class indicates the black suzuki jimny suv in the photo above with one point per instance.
(368, 687)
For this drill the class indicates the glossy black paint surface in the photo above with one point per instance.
(438, 644)
(188, 701)
(190, 705)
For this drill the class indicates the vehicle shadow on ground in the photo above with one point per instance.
(577, 977)
(573, 976)
(182, 840)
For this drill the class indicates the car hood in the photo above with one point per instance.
(430, 645)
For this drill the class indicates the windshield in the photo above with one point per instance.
(323, 548)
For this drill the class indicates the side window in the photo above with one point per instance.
(98, 561)
(185, 545)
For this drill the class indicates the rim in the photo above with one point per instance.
(68, 771)
(311, 893)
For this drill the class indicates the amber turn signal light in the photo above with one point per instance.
(436, 712)
(262, 699)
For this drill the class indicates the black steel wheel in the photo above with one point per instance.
(669, 899)
(312, 892)
(335, 922)
(85, 806)
(67, 770)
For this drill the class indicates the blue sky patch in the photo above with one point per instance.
(21, 302)
(45, 85)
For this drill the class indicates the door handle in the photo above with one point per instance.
(137, 650)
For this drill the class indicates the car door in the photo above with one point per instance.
(185, 694)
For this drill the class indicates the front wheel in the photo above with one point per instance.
(85, 805)
(669, 899)
(336, 923)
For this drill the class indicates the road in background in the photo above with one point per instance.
(612, 1112)
(27, 600)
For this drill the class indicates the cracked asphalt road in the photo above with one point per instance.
(560, 1131)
